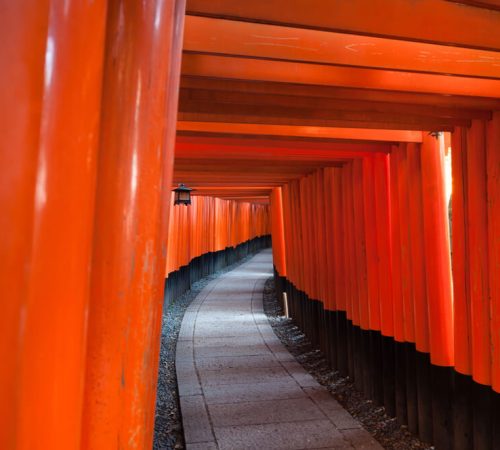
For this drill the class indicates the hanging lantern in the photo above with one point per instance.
(182, 195)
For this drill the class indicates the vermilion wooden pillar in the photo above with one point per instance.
(437, 252)
(372, 251)
(493, 186)
(360, 239)
(127, 259)
(23, 27)
(338, 236)
(399, 334)
(330, 233)
(405, 242)
(384, 242)
(323, 249)
(278, 231)
(461, 291)
(478, 251)
(303, 219)
(417, 246)
(56, 303)
(176, 25)
(352, 286)
(52, 71)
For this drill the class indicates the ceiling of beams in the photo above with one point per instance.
(272, 89)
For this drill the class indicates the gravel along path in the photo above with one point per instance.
(383, 428)
(168, 433)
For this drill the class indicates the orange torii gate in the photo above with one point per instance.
(343, 144)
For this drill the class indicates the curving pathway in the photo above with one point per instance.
(239, 386)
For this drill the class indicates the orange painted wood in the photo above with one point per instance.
(372, 251)
(384, 241)
(397, 288)
(175, 51)
(350, 249)
(349, 96)
(330, 246)
(318, 232)
(493, 187)
(121, 364)
(318, 74)
(311, 115)
(322, 127)
(257, 40)
(22, 54)
(360, 244)
(269, 148)
(460, 259)
(323, 268)
(338, 233)
(299, 255)
(405, 243)
(287, 225)
(301, 131)
(464, 27)
(307, 238)
(290, 234)
(52, 355)
(297, 236)
(477, 216)
(437, 253)
(289, 97)
(416, 250)
(277, 223)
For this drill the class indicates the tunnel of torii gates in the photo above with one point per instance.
(324, 124)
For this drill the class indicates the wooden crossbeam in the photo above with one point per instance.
(254, 40)
(433, 21)
(340, 93)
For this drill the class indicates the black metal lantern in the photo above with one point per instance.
(182, 195)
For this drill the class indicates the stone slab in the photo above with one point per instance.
(242, 375)
(239, 386)
(196, 424)
(289, 435)
(242, 362)
(233, 393)
(269, 411)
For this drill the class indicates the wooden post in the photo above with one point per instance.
(60, 151)
(437, 252)
(23, 28)
(128, 261)
(493, 187)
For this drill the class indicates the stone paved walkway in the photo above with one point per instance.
(239, 386)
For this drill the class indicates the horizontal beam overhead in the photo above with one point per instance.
(339, 93)
(190, 95)
(303, 131)
(200, 111)
(229, 37)
(295, 72)
(427, 125)
(433, 21)
(244, 165)
(289, 148)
